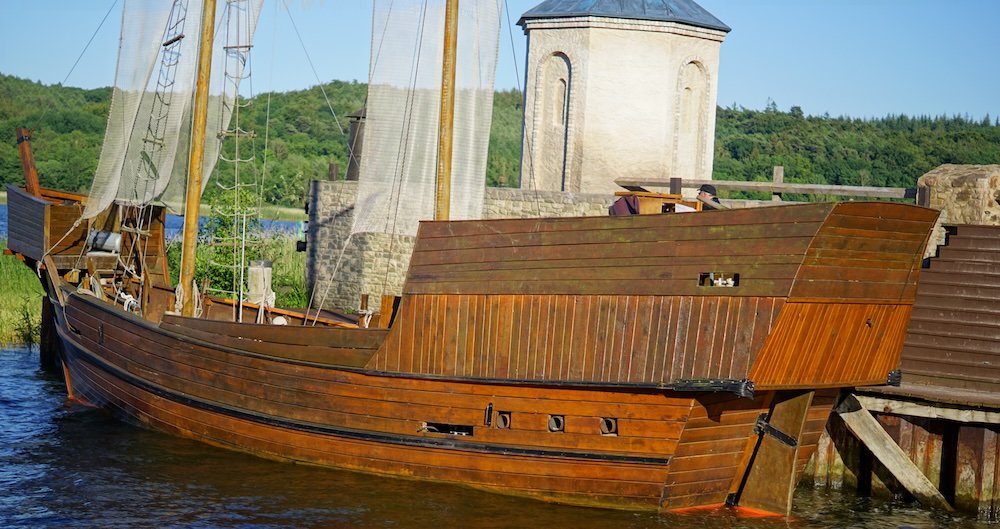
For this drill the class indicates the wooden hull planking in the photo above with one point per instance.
(672, 450)
(575, 360)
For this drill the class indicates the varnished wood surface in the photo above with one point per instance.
(618, 299)
(619, 339)
(633, 255)
(247, 402)
(771, 480)
(322, 345)
(564, 479)
(817, 345)
(718, 441)
(708, 456)
(866, 251)
(326, 395)
(586, 337)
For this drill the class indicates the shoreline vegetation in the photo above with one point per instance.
(21, 304)
(269, 212)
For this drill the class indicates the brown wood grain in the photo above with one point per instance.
(619, 339)
(822, 345)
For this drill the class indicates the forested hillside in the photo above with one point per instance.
(303, 138)
(893, 151)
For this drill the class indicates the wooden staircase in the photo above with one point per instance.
(953, 340)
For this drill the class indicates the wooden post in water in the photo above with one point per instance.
(192, 204)
(28, 162)
(861, 423)
(48, 339)
(442, 208)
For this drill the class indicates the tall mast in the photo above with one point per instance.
(197, 161)
(442, 208)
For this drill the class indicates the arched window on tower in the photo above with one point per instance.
(689, 136)
(553, 124)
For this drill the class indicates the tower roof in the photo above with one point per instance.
(680, 11)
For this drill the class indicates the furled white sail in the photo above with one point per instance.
(397, 178)
(149, 120)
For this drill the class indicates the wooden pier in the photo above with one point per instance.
(936, 436)
(944, 417)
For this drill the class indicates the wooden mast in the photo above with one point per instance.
(196, 162)
(28, 162)
(442, 207)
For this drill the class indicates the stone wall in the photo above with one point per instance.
(340, 267)
(965, 194)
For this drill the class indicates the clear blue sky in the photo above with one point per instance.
(859, 58)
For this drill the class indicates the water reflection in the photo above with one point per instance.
(62, 467)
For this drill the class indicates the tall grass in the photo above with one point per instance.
(287, 272)
(20, 302)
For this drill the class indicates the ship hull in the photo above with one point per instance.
(671, 449)
(650, 362)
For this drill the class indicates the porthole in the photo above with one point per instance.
(609, 426)
(557, 423)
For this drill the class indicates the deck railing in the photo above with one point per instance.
(777, 187)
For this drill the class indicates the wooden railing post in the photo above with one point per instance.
(924, 197)
(28, 162)
(675, 186)
(778, 179)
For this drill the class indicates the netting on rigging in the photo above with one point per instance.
(129, 171)
(233, 32)
(397, 180)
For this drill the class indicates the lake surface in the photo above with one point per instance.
(175, 223)
(77, 467)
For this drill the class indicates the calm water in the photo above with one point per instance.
(175, 224)
(74, 467)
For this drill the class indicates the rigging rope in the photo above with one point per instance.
(527, 137)
(397, 181)
(316, 75)
(82, 52)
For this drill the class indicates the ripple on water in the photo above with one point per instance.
(72, 467)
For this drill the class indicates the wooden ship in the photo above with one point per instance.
(655, 361)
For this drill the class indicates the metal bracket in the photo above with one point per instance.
(488, 415)
(742, 388)
(895, 378)
(762, 427)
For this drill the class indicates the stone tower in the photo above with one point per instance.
(618, 89)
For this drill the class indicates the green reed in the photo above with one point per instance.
(20, 302)
(287, 272)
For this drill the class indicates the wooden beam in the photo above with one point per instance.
(868, 430)
(775, 188)
(28, 162)
(928, 411)
(771, 477)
